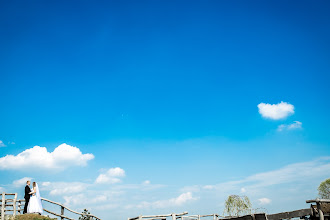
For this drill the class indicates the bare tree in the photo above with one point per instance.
(237, 205)
(324, 189)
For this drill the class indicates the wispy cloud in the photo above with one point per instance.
(262, 184)
(21, 182)
(39, 158)
(63, 188)
(178, 201)
(295, 125)
(276, 111)
(2, 144)
(290, 173)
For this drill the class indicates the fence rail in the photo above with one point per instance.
(154, 217)
(16, 207)
(70, 210)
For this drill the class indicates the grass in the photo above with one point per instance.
(32, 217)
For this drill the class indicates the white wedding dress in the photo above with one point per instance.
(35, 205)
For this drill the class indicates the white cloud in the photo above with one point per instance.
(178, 201)
(21, 182)
(147, 182)
(291, 173)
(46, 184)
(112, 176)
(2, 144)
(182, 199)
(276, 111)
(2, 189)
(264, 201)
(295, 125)
(39, 158)
(243, 190)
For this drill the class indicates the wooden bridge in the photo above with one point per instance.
(319, 211)
(13, 206)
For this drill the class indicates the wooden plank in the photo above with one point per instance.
(57, 214)
(317, 200)
(168, 215)
(287, 215)
(260, 216)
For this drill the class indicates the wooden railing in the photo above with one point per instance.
(162, 217)
(15, 207)
(91, 217)
(12, 205)
(321, 209)
(198, 217)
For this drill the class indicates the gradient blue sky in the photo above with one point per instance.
(167, 91)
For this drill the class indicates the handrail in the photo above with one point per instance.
(53, 213)
(318, 200)
(56, 203)
(158, 216)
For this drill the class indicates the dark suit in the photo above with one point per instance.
(27, 198)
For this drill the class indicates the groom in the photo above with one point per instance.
(27, 196)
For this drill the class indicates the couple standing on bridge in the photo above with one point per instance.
(32, 199)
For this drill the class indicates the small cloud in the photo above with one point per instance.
(147, 182)
(63, 188)
(21, 182)
(39, 158)
(11, 142)
(243, 190)
(2, 144)
(112, 176)
(276, 111)
(295, 125)
(264, 201)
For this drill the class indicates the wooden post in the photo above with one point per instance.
(140, 217)
(62, 212)
(19, 206)
(320, 211)
(14, 205)
(199, 217)
(214, 217)
(3, 207)
(173, 216)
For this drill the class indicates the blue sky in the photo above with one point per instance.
(158, 103)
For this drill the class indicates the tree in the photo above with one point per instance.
(85, 217)
(237, 205)
(324, 189)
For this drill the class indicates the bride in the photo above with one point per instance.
(35, 205)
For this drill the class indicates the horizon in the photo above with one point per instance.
(155, 107)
